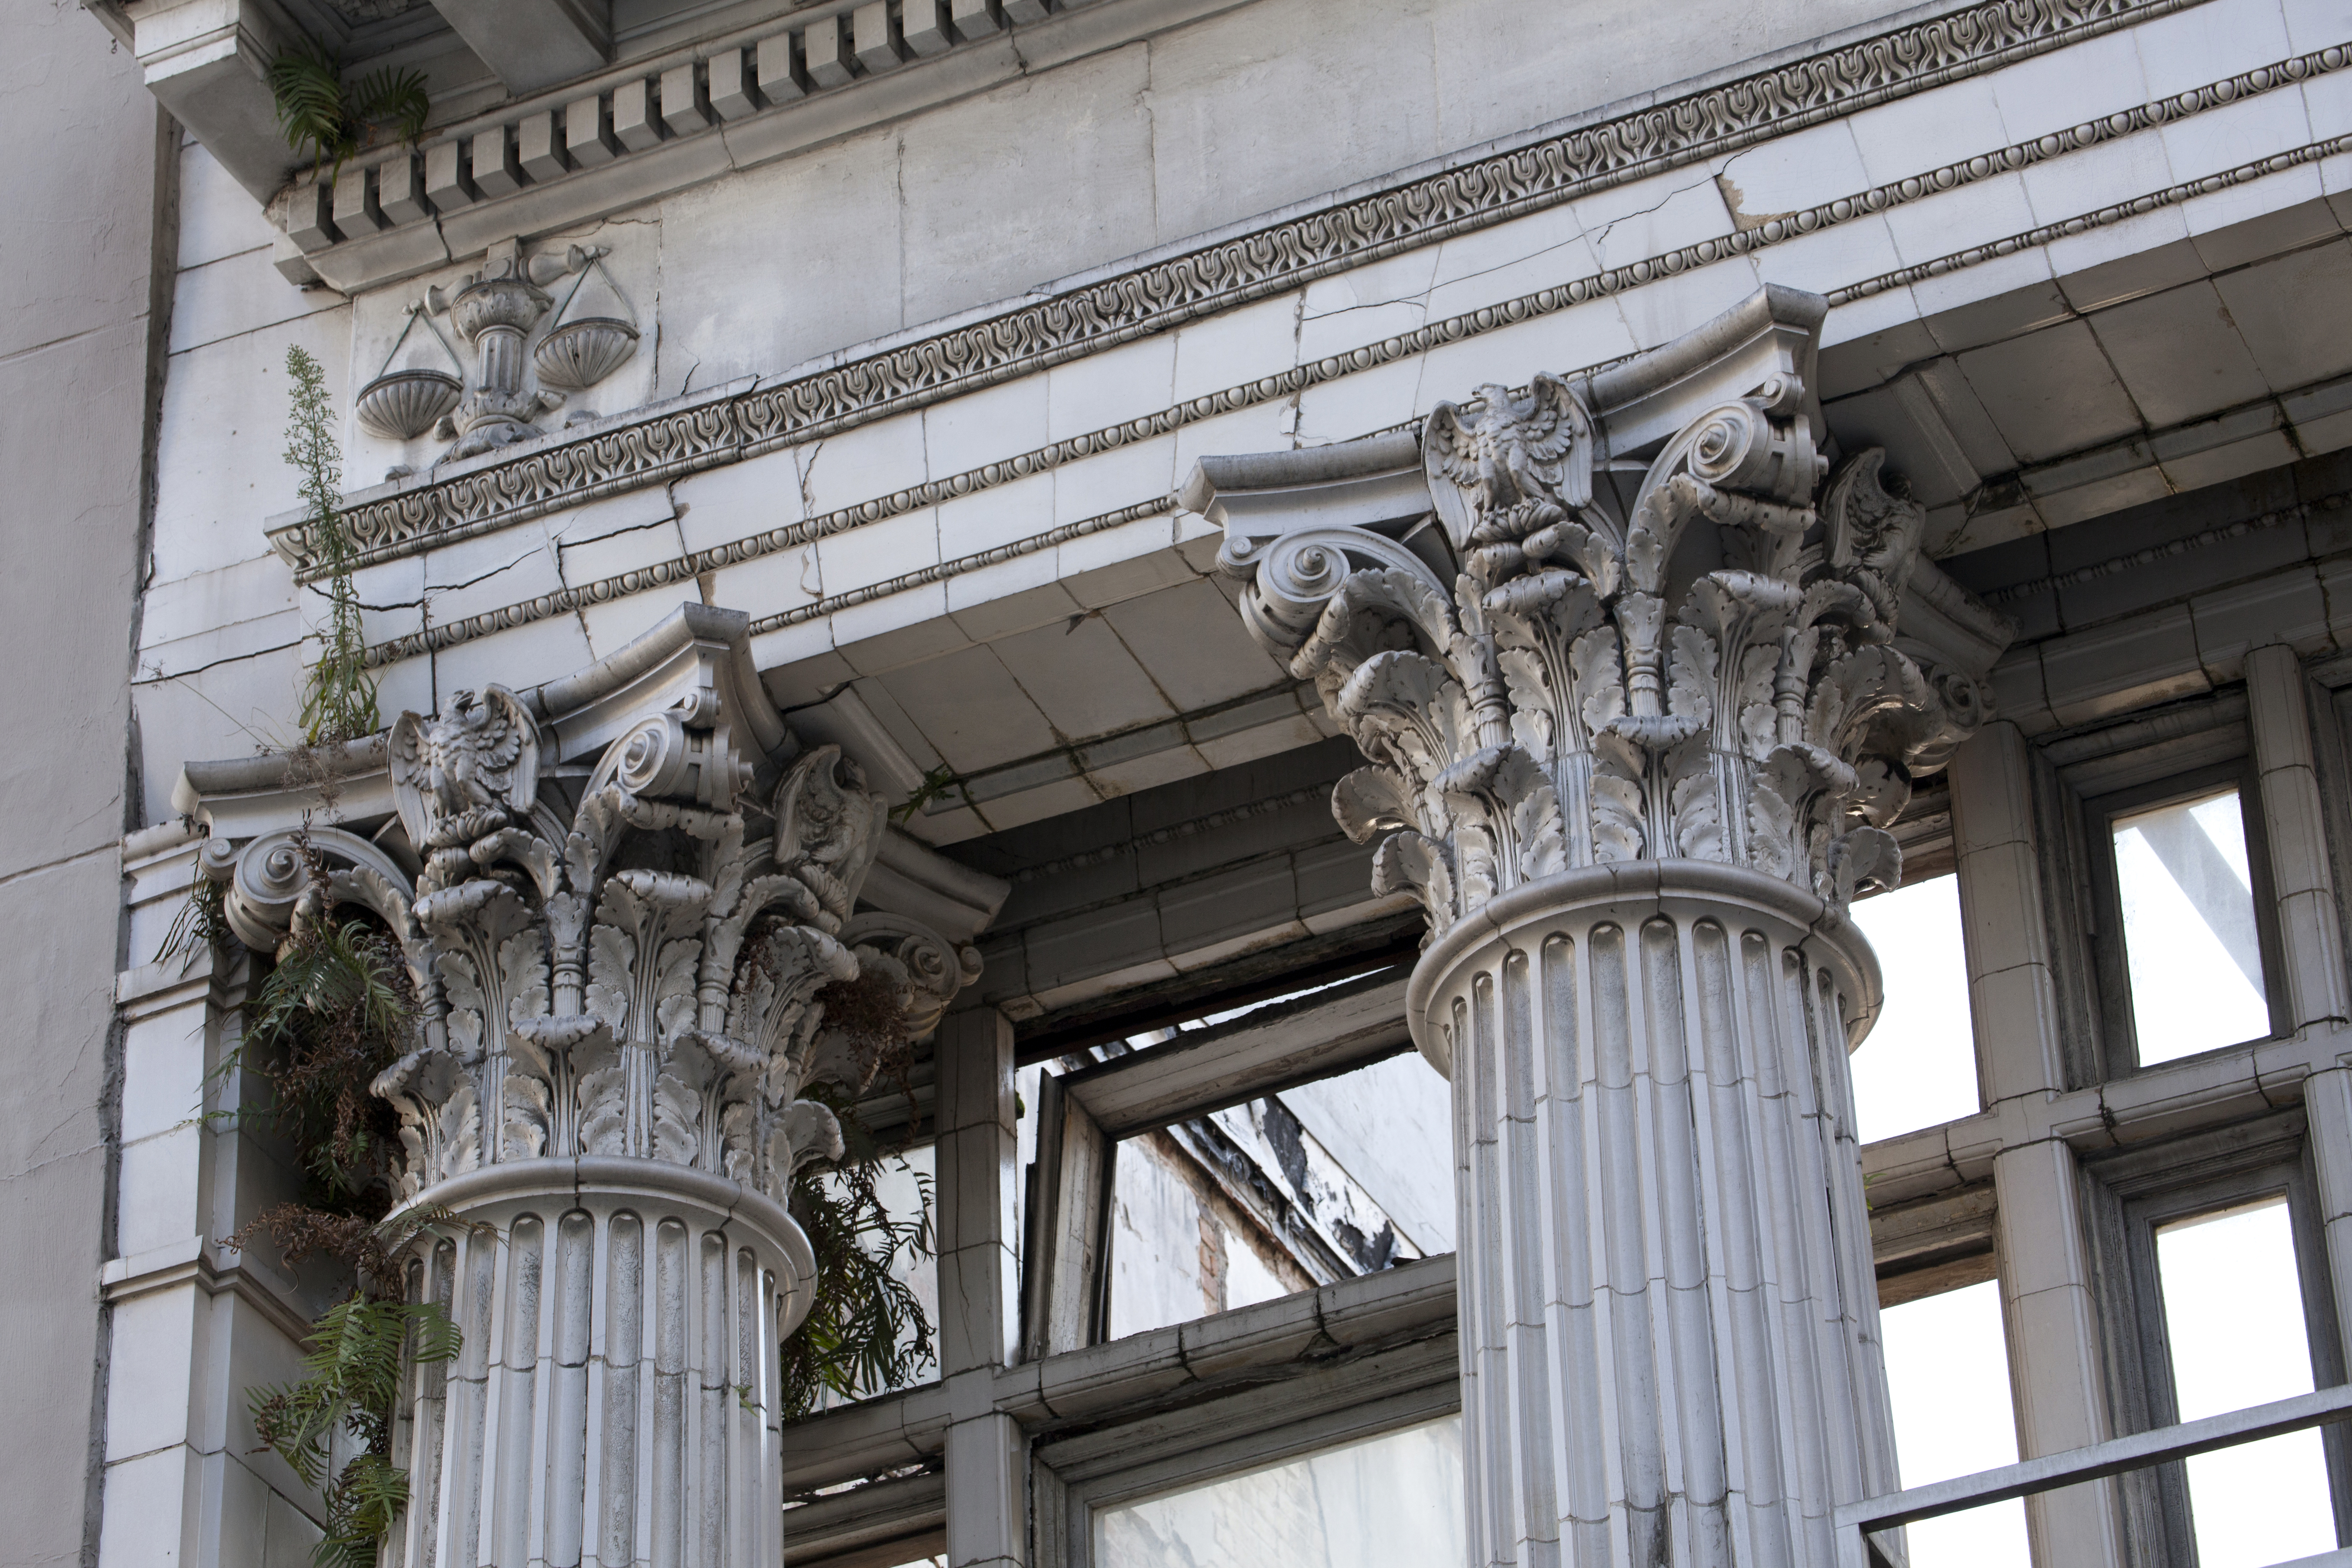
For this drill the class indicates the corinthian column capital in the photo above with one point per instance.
(1640, 614)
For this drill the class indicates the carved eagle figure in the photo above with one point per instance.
(466, 773)
(1517, 450)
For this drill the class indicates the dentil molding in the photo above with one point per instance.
(667, 442)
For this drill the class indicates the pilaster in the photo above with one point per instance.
(2057, 1383)
(2310, 924)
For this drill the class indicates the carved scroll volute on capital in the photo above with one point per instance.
(1590, 688)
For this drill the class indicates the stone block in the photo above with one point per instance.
(1920, 131)
(310, 215)
(400, 190)
(636, 119)
(2186, 50)
(356, 210)
(540, 145)
(990, 425)
(974, 18)
(448, 176)
(588, 132)
(828, 51)
(874, 33)
(926, 27)
(779, 74)
(968, 706)
(1194, 646)
(733, 90)
(877, 551)
(496, 170)
(2111, 669)
(686, 101)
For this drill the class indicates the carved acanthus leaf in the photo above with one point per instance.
(1708, 674)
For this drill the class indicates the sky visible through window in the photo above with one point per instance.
(2234, 1315)
(2189, 937)
(1948, 1374)
(1918, 1067)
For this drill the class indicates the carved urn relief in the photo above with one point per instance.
(493, 313)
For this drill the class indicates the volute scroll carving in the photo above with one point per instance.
(1687, 652)
(622, 958)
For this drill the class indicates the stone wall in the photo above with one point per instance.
(77, 285)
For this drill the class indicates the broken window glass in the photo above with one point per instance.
(2234, 1319)
(1345, 1175)
(1947, 1378)
(2191, 946)
(1392, 1501)
(1918, 1067)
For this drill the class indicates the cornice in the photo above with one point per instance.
(1421, 340)
(2204, 539)
(664, 442)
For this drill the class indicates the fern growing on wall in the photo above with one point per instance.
(326, 120)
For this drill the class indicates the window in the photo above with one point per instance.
(2193, 951)
(1919, 1068)
(2215, 1290)
(1257, 1152)
(1947, 1378)
(1392, 1501)
(2233, 1323)
(2182, 934)
(1265, 1198)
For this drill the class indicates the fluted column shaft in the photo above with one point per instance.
(1669, 1326)
(615, 1400)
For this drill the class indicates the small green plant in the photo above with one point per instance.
(326, 120)
(936, 783)
(867, 1331)
(349, 1393)
(338, 699)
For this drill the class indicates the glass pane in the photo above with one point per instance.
(1948, 1374)
(2234, 1315)
(2189, 927)
(1345, 1175)
(1395, 1501)
(1919, 1068)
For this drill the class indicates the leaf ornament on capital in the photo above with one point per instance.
(1691, 657)
(628, 965)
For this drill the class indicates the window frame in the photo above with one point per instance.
(2110, 962)
(2134, 1192)
(1075, 1478)
(1086, 1112)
